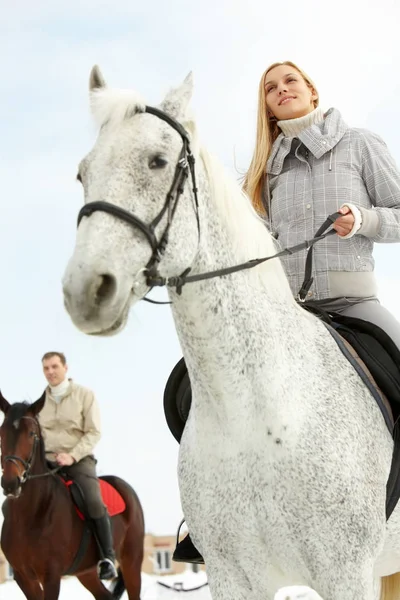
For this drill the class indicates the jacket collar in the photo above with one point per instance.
(319, 139)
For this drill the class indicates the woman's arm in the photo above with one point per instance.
(382, 180)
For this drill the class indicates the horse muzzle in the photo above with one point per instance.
(11, 487)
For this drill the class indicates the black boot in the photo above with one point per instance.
(105, 567)
(186, 551)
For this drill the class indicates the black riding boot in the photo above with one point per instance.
(186, 551)
(105, 567)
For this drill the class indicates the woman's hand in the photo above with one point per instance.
(343, 225)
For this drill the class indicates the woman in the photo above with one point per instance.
(306, 165)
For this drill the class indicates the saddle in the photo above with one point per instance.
(370, 351)
(112, 499)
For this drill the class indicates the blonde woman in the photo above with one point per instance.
(308, 164)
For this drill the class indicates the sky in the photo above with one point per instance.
(47, 49)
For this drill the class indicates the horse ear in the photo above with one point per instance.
(177, 100)
(37, 406)
(4, 404)
(96, 79)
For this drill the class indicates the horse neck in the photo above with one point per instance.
(241, 327)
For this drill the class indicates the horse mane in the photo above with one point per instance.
(245, 226)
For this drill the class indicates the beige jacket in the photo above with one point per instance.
(73, 424)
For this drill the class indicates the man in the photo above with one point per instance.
(70, 421)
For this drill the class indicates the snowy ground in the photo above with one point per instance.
(151, 590)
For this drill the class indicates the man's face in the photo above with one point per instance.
(54, 371)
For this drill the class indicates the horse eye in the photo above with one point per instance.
(158, 162)
(31, 433)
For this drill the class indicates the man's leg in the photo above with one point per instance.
(84, 473)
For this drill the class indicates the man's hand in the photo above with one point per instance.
(64, 459)
(343, 225)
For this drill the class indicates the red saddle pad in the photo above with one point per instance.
(112, 499)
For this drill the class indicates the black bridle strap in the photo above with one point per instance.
(46, 474)
(185, 164)
(28, 464)
(17, 459)
(170, 120)
(308, 279)
(154, 279)
(88, 209)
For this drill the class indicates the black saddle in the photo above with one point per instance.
(177, 399)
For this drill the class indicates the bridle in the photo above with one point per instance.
(186, 165)
(27, 465)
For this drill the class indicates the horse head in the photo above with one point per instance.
(140, 212)
(20, 435)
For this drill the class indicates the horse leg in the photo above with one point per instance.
(354, 586)
(131, 572)
(51, 588)
(30, 587)
(228, 581)
(130, 563)
(93, 584)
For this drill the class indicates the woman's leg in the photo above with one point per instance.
(373, 312)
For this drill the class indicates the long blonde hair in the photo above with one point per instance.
(267, 132)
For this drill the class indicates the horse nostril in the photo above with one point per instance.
(9, 486)
(106, 289)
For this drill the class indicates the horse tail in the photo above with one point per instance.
(119, 586)
(390, 587)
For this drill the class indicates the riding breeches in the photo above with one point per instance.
(84, 473)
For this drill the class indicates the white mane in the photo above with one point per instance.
(234, 205)
(112, 105)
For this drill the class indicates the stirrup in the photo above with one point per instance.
(179, 530)
(108, 565)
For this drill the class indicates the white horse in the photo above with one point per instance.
(285, 456)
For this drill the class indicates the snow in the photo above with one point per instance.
(151, 590)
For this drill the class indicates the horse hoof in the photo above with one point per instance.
(296, 593)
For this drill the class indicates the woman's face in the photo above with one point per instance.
(287, 94)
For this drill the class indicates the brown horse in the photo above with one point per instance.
(42, 532)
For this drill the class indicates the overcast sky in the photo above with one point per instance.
(47, 49)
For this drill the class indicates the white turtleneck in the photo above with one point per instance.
(292, 127)
(58, 391)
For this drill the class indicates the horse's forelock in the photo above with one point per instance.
(113, 106)
(17, 411)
